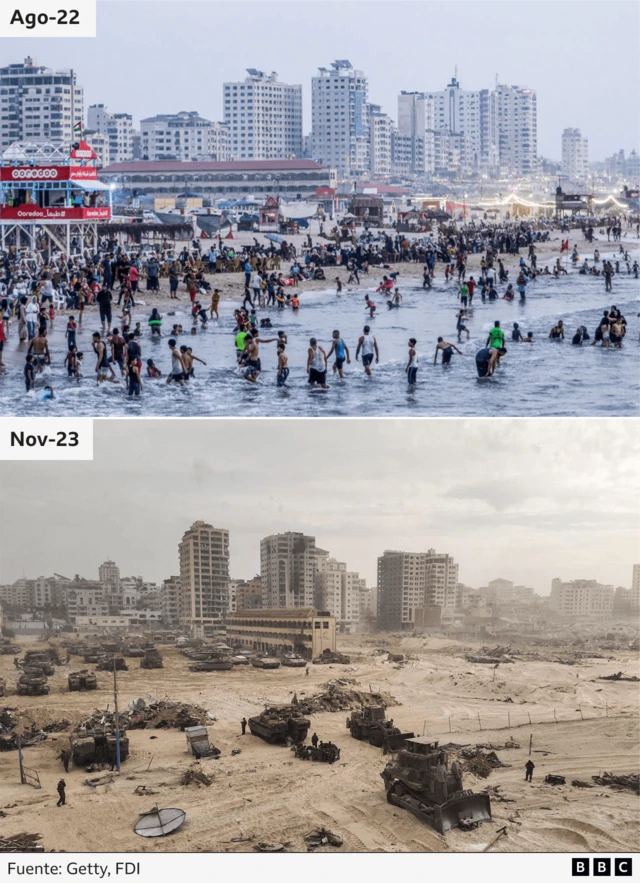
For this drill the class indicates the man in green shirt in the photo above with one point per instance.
(496, 336)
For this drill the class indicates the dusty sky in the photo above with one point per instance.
(161, 57)
(526, 500)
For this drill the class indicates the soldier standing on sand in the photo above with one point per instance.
(314, 740)
(529, 767)
(65, 757)
(61, 795)
(243, 724)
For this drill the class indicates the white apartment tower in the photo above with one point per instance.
(581, 597)
(182, 136)
(380, 139)
(340, 592)
(517, 129)
(288, 566)
(413, 139)
(471, 114)
(407, 580)
(204, 576)
(339, 123)
(39, 104)
(575, 155)
(118, 128)
(171, 601)
(635, 588)
(264, 117)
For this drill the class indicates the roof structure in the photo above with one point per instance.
(173, 166)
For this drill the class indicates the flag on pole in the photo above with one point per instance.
(77, 130)
(564, 246)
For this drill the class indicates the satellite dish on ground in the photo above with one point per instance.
(159, 822)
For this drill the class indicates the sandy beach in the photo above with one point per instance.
(582, 727)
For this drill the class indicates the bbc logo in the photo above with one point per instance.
(580, 867)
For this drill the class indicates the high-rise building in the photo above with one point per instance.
(183, 136)
(470, 114)
(581, 597)
(264, 117)
(517, 129)
(249, 594)
(171, 601)
(39, 104)
(413, 139)
(109, 576)
(340, 592)
(634, 597)
(99, 143)
(204, 576)
(118, 128)
(575, 155)
(340, 130)
(410, 580)
(288, 566)
(380, 138)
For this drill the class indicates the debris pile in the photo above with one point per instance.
(322, 837)
(577, 783)
(339, 695)
(166, 715)
(56, 726)
(488, 746)
(21, 843)
(618, 676)
(555, 780)
(631, 781)
(481, 763)
(194, 776)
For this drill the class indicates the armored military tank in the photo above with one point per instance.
(82, 680)
(292, 660)
(370, 725)
(7, 648)
(265, 662)
(332, 657)
(279, 723)
(39, 659)
(152, 658)
(3, 687)
(32, 682)
(106, 663)
(419, 779)
(213, 662)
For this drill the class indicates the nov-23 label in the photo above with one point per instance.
(48, 18)
(46, 438)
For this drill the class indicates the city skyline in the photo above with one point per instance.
(589, 92)
(385, 486)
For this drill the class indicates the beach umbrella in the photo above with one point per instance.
(273, 237)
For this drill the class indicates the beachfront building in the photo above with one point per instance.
(99, 143)
(581, 597)
(264, 117)
(118, 129)
(183, 136)
(109, 575)
(413, 138)
(339, 122)
(204, 577)
(39, 104)
(454, 155)
(289, 178)
(634, 597)
(380, 138)
(249, 594)
(341, 592)
(288, 567)
(471, 115)
(517, 129)
(575, 155)
(410, 580)
(303, 630)
(620, 166)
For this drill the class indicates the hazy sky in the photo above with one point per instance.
(526, 500)
(152, 57)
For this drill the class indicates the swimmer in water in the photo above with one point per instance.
(411, 369)
(395, 300)
(370, 306)
(369, 346)
(283, 366)
(557, 332)
(487, 358)
(48, 394)
(447, 351)
(516, 334)
(342, 352)
(460, 317)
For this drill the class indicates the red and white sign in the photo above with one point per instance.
(83, 151)
(38, 174)
(36, 213)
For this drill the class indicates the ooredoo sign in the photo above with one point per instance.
(27, 174)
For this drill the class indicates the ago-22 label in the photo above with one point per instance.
(31, 19)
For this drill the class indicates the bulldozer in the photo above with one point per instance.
(82, 680)
(370, 725)
(419, 779)
(33, 682)
(152, 658)
(279, 723)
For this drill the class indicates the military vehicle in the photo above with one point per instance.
(332, 657)
(106, 663)
(324, 752)
(279, 723)
(215, 662)
(7, 648)
(370, 725)
(419, 779)
(82, 680)
(134, 652)
(39, 659)
(32, 682)
(292, 660)
(3, 687)
(265, 662)
(97, 747)
(92, 657)
(152, 658)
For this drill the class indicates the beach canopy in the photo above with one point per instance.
(273, 237)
